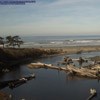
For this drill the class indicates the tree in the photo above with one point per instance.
(9, 40)
(17, 41)
(13, 41)
(2, 41)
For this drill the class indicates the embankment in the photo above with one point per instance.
(12, 56)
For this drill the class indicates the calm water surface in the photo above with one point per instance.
(51, 84)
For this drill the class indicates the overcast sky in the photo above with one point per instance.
(51, 17)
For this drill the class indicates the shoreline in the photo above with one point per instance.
(14, 56)
(74, 49)
(25, 52)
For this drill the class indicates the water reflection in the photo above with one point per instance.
(52, 84)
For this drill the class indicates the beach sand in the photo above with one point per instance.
(30, 52)
(73, 49)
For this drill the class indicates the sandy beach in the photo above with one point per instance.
(73, 49)
(34, 52)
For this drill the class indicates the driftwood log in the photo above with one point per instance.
(70, 61)
(76, 71)
(17, 82)
(93, 94)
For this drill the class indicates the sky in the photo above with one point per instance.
(51, 17)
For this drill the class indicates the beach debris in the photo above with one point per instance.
(81, 61)
(38, 65)
(77, 71)
(66, 61)
(17, 82)
(93, 93)
(21, 81)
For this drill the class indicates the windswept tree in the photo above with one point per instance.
(2, 41)
(9, 40)
(17, 41)
(13, 41)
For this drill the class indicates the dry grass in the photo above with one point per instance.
(26, 53)
(36, 53)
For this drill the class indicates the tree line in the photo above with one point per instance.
(11, 41)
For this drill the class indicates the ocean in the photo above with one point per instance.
(60, 41)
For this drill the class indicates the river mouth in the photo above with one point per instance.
(51, 84)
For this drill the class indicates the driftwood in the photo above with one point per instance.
(93, 93)
(80, 61)
(15, 83)
(91, 96)
(81, 72)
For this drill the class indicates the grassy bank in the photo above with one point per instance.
(10, 56)
(26, 53)
(21, 53)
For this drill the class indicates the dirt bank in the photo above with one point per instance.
(14, 56)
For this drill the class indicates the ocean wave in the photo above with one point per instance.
(57, 42)
(61, 43)
(83, 41)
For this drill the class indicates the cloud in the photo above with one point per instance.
(51, 16)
